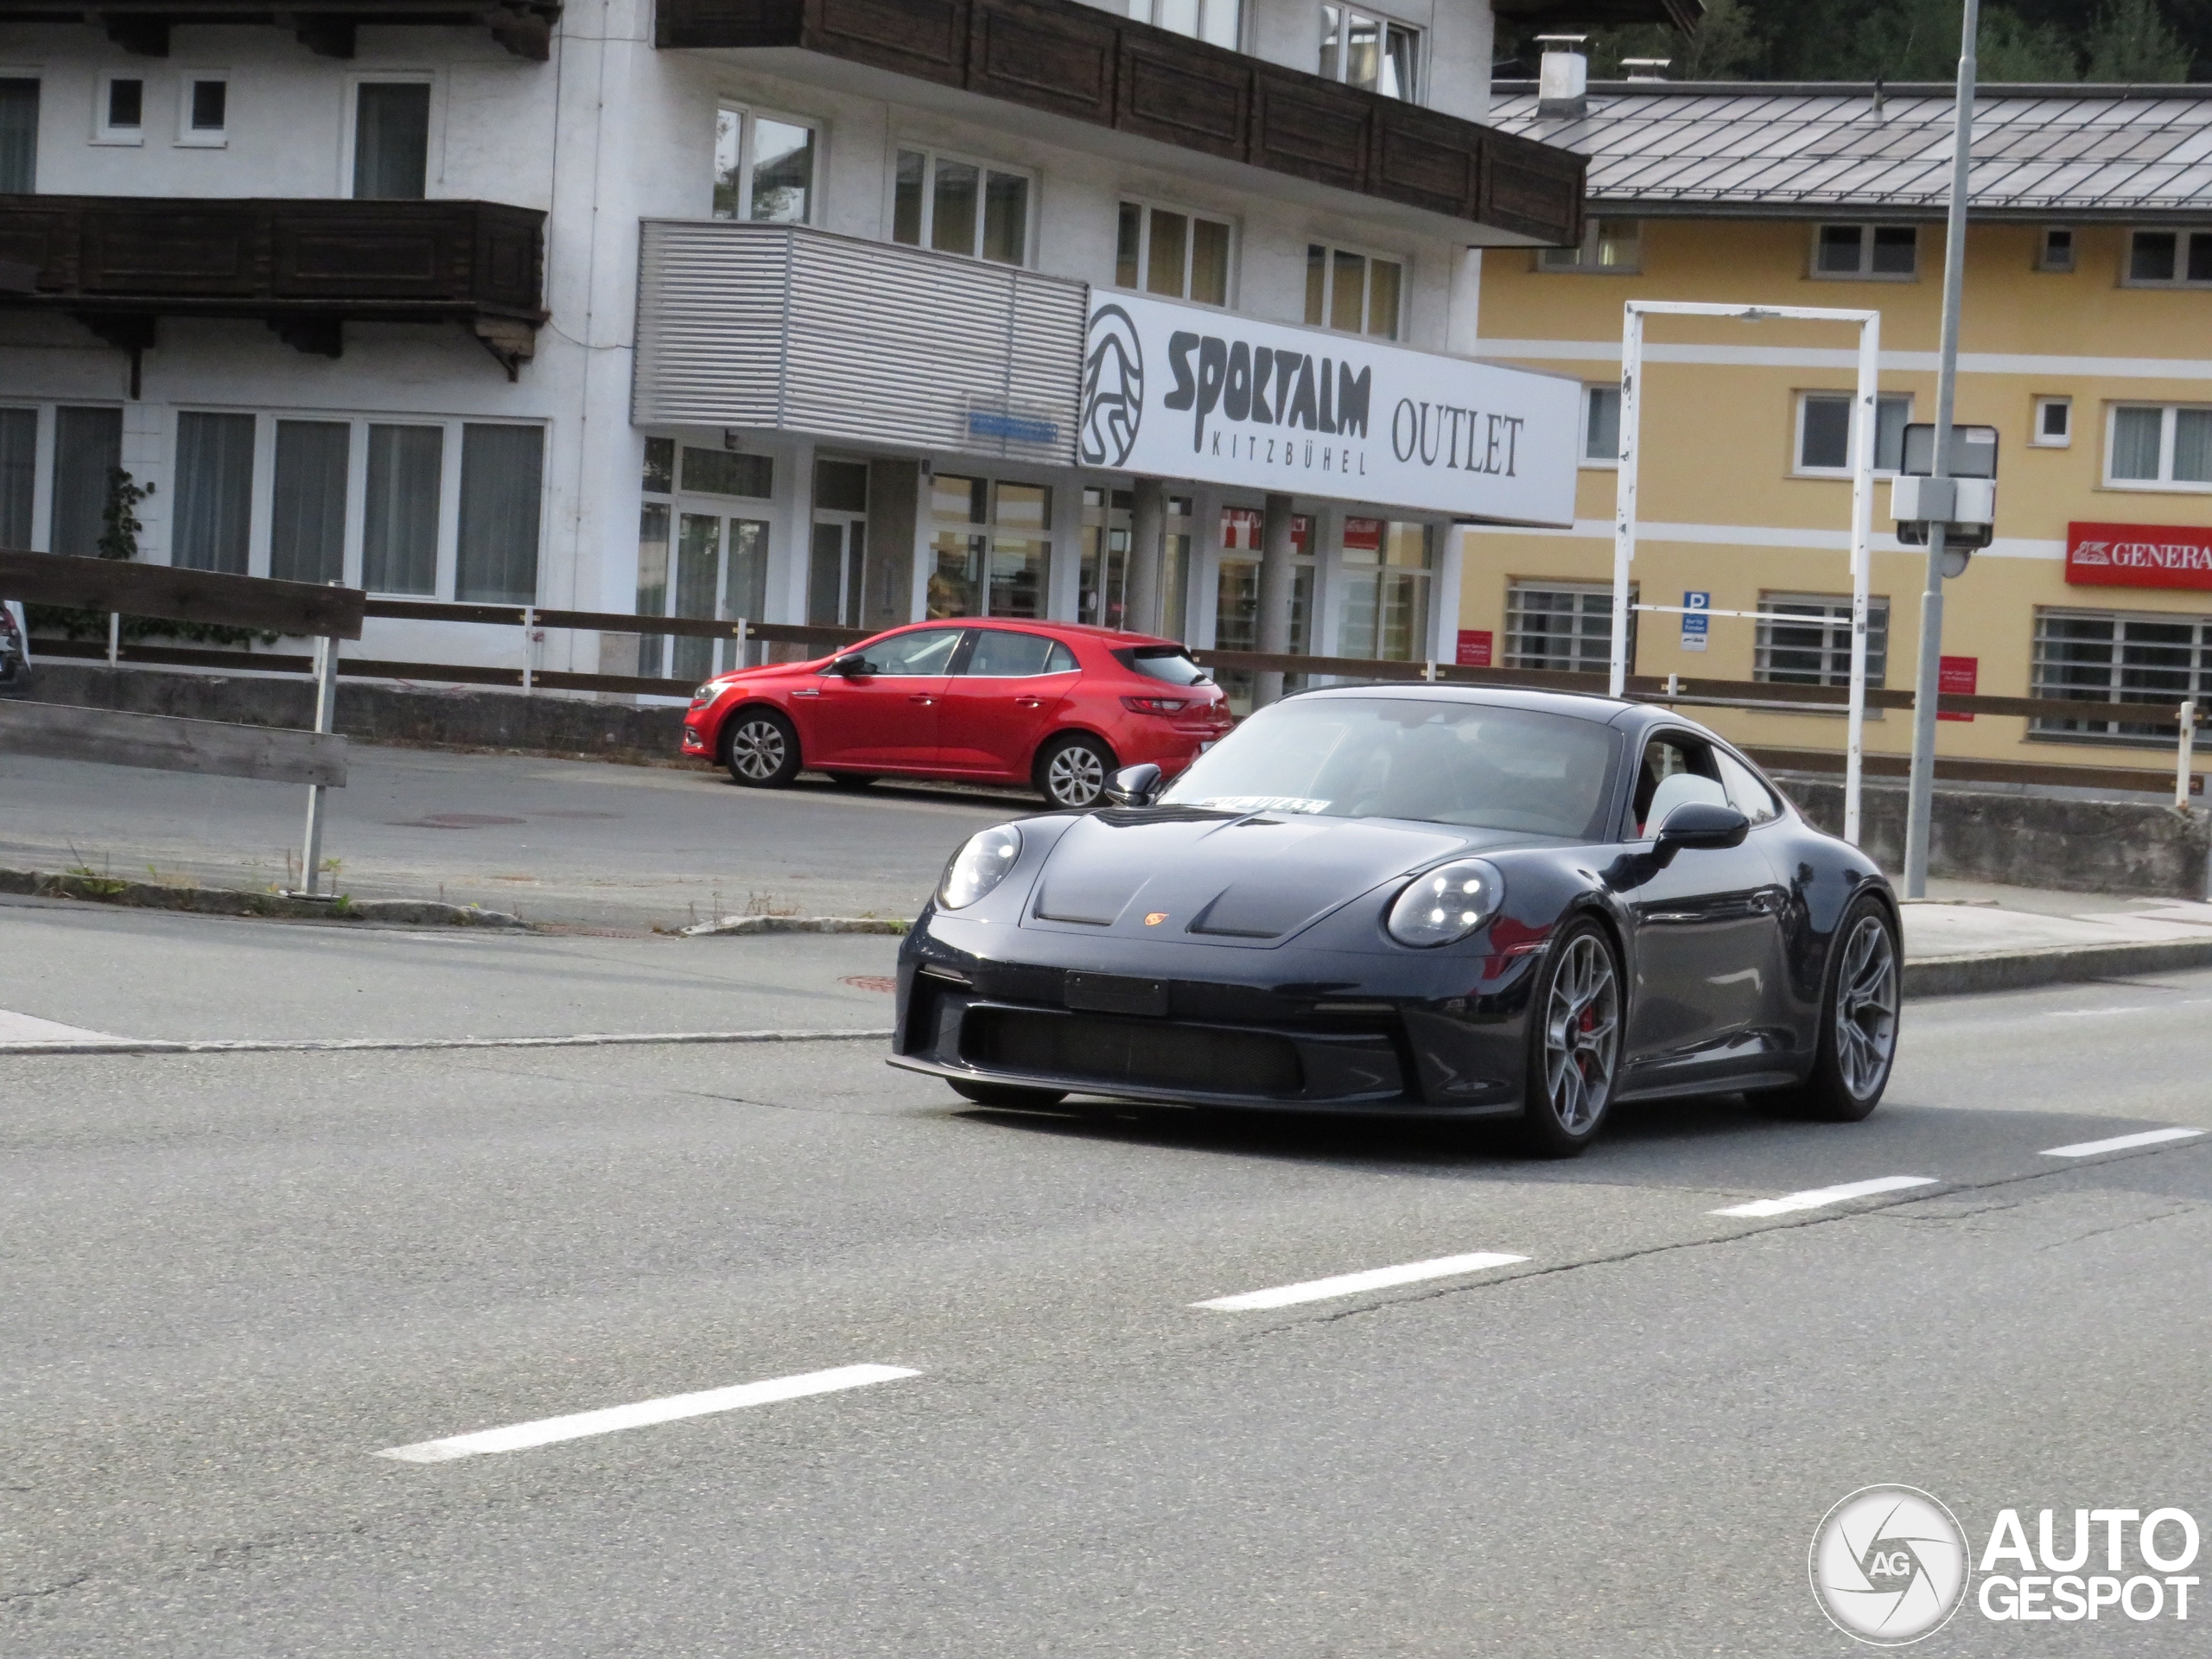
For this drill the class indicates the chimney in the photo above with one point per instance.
(1646, 69)
(1563, 82)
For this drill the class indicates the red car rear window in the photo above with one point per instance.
(1169, 662)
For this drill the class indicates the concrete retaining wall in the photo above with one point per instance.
(472, 718)
(2031, 841)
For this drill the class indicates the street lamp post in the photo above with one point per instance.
(1920, 797)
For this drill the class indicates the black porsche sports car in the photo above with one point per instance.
(1425, 900)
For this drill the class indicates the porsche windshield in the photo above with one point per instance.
(1469, 763)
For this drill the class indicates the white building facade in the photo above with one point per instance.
(770, 308)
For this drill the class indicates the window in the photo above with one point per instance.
(1874, 251)
(1003, 654)
(1567, 626)
(2119, 656)
(1601, 426)
(726, 472)
(1746, 792)
(2170, 258)
(1610, 247)
(2155, 446)
(307, 527)
(1237, 595)
(2055, 249)
(1385, 591)
(991, 546)
(2054, 423)
(923, 653)
(18, 136)
(399, 527)
(1805, 639)
(960, 207)
(392, 140)
(720, 556)
(1371, 53)
(837, 555)
(1356, 292)
(203, 111)
(1824, 432)
(119, 117)
(764, 168)
(18, 474)
(87, 455)
(1213, 21)
(210, 519)
(502, 480)
(1181, 255)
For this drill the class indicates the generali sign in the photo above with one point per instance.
(2139, 555)
(1176, 392)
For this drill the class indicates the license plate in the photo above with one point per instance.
(1116, 994)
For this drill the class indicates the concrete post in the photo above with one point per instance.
(1147, 547)
(1277, 575)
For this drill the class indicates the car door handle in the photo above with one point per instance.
(1768, 900)
(918, 697)
(1029, 703)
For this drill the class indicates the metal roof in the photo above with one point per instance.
(1753, 148)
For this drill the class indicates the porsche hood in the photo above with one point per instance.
(1253, 880)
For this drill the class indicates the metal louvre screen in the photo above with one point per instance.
(783, 327)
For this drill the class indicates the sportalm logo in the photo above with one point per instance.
(1112, 388)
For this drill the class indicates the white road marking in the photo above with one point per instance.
(94, 1043)
(520, 1436)
(19, 1028)
(2119, 1143)
(1816, 1197)
(2094, 1014)
(1350, 1284)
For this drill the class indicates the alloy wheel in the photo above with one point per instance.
(1866, 1007)
(756, 749)
(1075, 775)
(1581, 1034)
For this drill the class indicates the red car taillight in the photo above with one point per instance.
(1155, 705)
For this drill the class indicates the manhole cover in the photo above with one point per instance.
(870, 981)
(454, 821)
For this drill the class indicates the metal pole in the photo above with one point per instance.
(1862, 516)
(1927, 686)
(529, 656)
(326, 698)
(1624, 491)
(114, 638)
(2187, 753)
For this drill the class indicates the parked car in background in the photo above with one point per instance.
(1054, 705)
(14, 647)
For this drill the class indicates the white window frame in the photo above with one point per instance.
(1591, 393)
(1798, 466)
(1834, 620)
(2165, 482)
(1584, 258)
(932, 155)
(1212, 28)
(1417, 92)
(2182, 235)
(2037, 438)
(190, 136)
(434, 165)
(1866, 273)
(749, 116)
(104, 134)
(2160, 715)
(2049, 258)
(1329, 283)
(1146, 206)
(1592, 599)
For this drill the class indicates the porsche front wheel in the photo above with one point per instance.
(1574, 1044)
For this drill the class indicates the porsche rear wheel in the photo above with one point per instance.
(762, 750)
(1011, 1096)
(1859, 1023)
(1574, 1044)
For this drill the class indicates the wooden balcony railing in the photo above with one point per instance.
(324, 27)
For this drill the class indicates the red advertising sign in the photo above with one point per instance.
(2139, 555)
(1475, 647)
(1957, 676)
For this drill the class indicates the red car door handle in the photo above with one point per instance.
(1029, 703)
(917, 697)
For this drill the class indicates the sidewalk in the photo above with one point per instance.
(1969, 936)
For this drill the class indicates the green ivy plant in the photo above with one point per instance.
(118, 539)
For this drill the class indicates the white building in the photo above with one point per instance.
(771, 308)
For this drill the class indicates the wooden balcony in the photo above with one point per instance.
(324, 27)
(1068, 59)
(120, 264)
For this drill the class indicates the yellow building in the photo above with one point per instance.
(2087, 342)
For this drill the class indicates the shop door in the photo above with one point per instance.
(836, 554)
(721, 573)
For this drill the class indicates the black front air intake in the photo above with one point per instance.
(1109, 1053)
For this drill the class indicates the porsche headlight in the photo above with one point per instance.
(979, 867)
(1447, 903)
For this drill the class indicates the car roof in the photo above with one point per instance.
(1039, 625)
(1593, 706)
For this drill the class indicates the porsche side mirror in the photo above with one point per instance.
(1133, 785)
(1701, 824)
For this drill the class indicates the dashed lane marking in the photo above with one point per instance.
(546, 1431)
(1350, 1284)
(18, 1029)
(1816, 1197)
(2120, 1143)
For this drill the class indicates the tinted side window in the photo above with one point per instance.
(1000, 653)
(1746, 792)
(1168, 663)
(925, 650)
(1667, 758)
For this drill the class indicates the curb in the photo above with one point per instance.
(231, 901)
(742, 927)
(1961, 975)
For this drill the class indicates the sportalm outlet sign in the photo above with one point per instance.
(1174, 392)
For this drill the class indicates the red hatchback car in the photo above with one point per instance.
(1050, 704)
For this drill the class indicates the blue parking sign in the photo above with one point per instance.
(1695, 623)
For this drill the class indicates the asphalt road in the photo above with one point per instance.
(569, 841)
(228, 1281)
